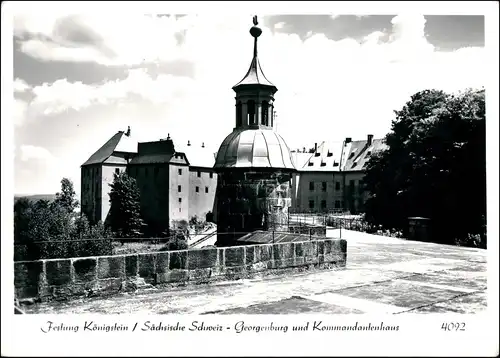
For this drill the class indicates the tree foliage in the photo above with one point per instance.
(435, 167)
(67, 197)
(47, 230)
(124, 217)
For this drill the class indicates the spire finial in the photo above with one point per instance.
(255, 31)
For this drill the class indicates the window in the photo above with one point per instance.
(337, 204)
(145, 172)
(351, 183)
(251, 112)
(180, 209)
(211, 175)
(239, 114)
(311, 185)
(323, 204)
(156, 171)
(323, 186)
(337, 185)
(180, 200)
(197, 189)
(179, 188)
(323, 164)
(198, 174)
(310, 164)
(180, 171)
(265, 113)
(117, 170)
(206, 189)
(311, 204)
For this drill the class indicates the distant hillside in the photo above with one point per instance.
(36, 197)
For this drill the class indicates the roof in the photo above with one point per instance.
(151, 159)
(357, 153)
(197, 156)
(267, 237)
(254, 76)
(325, 158)
(254, 148)
(117, 143)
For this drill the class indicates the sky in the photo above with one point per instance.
(80, 78)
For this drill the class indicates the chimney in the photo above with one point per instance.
(348, 140)
(303, 149)
(203, 144)
(128, 132)
(315, 147)
(370, 139)
(189, 143)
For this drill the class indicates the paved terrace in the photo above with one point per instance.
(383, 275)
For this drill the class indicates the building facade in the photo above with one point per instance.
(330, 176)
(172, 188)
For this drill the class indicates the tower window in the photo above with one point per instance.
(265, 113)
(206, 189)
(179, 188)
(211, 175)
(199, 174)
(180, 171)
(180, 200)
(197, 189)
(239, 114)
(117, 170)
(251, 112)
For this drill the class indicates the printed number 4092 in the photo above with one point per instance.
(457, 326)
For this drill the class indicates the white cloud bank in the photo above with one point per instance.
(327, 89)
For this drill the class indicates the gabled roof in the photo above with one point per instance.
(117, 143)
(326, 158)
(358, 153)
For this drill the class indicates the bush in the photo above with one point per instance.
(197, 224)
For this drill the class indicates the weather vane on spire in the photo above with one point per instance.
(255, 22)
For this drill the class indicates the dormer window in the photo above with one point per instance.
(351, 155)
(323, 164)
(329, 154)
(335, 164)
(310, 164)
(317, 154)
(368, 153)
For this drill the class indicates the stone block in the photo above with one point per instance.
(200, 259)
(250, 254)
(162, 262)
(147, 266)
(27, 273)
(339, 245)
(201, 274)
(220, 257)
(110, 267)
(85, 269)
(320, 247)
(328, 246)
(265, 253)
(277, 250)
(173, 276)
(299, 249)
(58, 272)
(178, 260)
(233, 273)
(234, 256)
(131, 265)
(110, 284)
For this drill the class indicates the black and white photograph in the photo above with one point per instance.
(329, 170)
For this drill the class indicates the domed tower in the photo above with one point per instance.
(254, 164)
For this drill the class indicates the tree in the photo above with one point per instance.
(124, 217)
(67, 197)
(434, 166)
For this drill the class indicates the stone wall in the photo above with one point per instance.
(54, 279)
(313, 230)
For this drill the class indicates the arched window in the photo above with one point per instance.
(239, 114)
(265, 113)
(251, 112)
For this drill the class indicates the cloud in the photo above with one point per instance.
(31, 152)
(327, 89)
(20, 86)
(279, 25)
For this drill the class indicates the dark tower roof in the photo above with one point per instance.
(255, 76)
